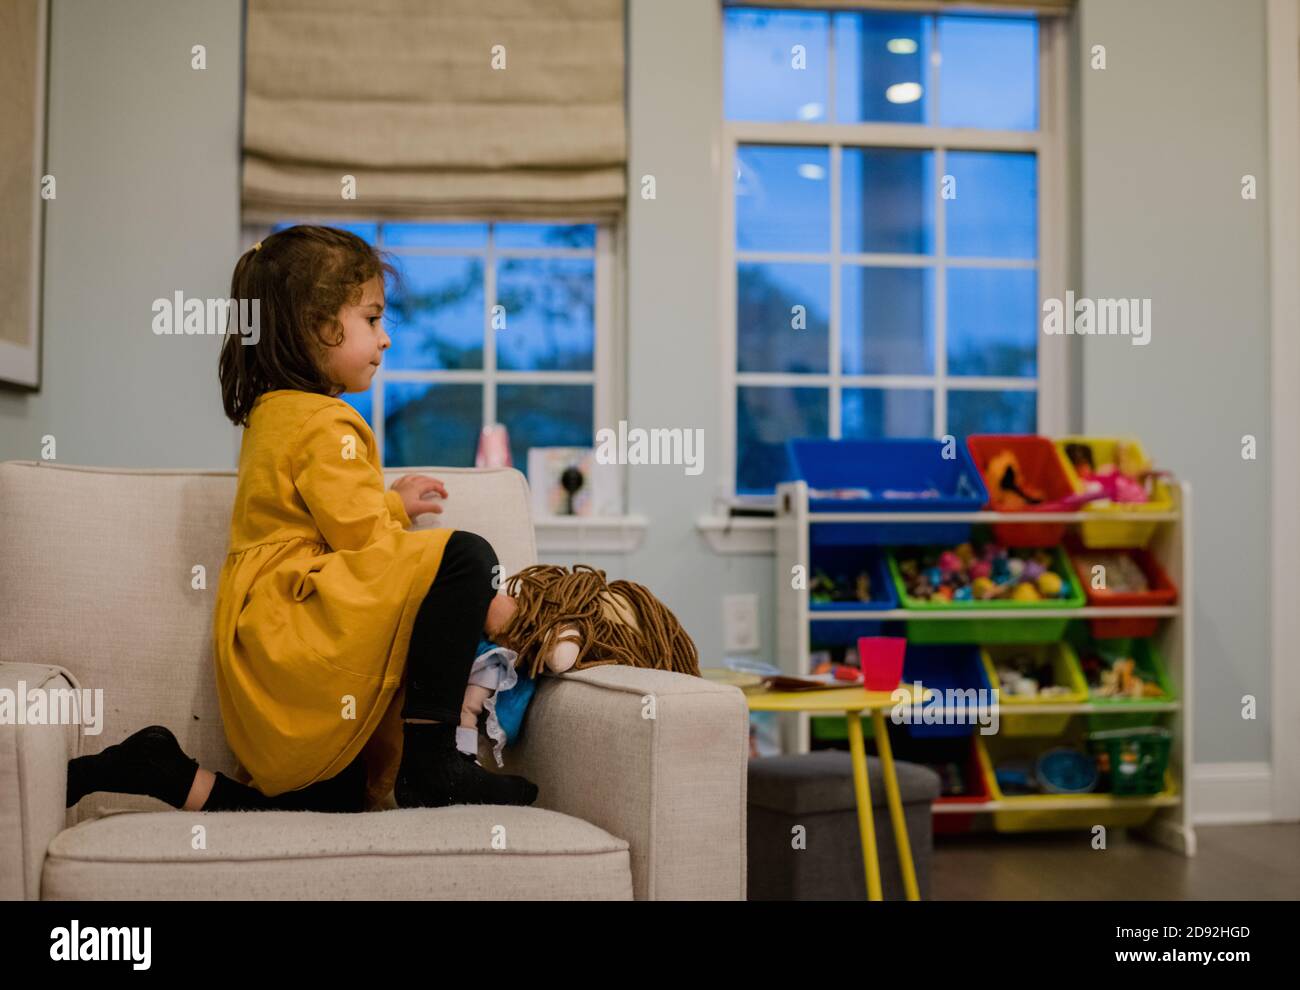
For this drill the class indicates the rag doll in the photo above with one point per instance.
(557, 620)
(572, 620)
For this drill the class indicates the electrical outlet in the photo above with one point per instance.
(740, 623)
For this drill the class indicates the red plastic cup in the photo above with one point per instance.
(881, 658)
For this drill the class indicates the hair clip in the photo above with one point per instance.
(257, 245)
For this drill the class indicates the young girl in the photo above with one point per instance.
(343, 641)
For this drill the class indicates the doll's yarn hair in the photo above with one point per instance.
(549, 598)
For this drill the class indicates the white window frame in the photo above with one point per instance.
(1053, 382)
(616, 534)
(489, 376)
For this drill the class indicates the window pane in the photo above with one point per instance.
(783, 200)
(989, 73)
(760, 80)
(765, 419)
(880, 72)
(429, 425)
(366, 231)
(361, 402)
(550, 314)
(874, 413)
(542, 235)
(435, 316)
(888, 316)
(767, 319)
(993, 321)
(988, 411)
(994, 212)
(472, 235)
(545, 416)
(888, 201)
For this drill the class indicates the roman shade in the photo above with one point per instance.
(1048, 7)
(490, 109)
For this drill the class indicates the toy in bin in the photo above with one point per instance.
(1029, 675)
(1116, 476)
(981, 572)
(825, 588)
(1132, 761)
(1062, 770)
(1123, 577)
(1129, 479)
(839, 662)
(1115, 674)
(1008, 489)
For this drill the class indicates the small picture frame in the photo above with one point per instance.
(24, 24)
(594, 485)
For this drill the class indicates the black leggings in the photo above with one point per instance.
(444, 643)
(448, 628)
(345, 791)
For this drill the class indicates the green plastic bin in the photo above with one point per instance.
(1132, 761)
(1118, 713)
(989, 630)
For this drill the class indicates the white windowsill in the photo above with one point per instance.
(738, 534)
(589, 534)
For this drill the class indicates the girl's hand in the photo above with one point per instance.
(417, 491)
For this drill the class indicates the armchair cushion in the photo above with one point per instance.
(464, 852)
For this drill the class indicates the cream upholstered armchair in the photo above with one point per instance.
(97, 593)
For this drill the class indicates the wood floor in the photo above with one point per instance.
(1233, 862)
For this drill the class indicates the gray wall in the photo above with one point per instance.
(675, 115)
(145, 151)
(1168, 130)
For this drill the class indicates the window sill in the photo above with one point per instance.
(738, 535)
(589, 534)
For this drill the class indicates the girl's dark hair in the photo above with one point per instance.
(300, 278)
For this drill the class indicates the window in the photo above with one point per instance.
(887, 260)
(491, 323)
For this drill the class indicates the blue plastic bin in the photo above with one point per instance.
(880, 466)
(850, 559)
(941, 668)
(823, 635)
(840, 632)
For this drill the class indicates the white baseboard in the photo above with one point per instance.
(1232, 793)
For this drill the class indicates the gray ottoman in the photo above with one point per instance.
(815, 790)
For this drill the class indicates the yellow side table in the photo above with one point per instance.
(852, 702)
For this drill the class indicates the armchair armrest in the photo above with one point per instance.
(33, 778)
(656, 758)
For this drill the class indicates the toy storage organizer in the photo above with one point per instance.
(1026, 726)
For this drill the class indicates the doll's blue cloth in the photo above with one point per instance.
(494, 668)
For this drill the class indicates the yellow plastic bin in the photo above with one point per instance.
(1108, 535)
(1065, 671)
(1056, 812)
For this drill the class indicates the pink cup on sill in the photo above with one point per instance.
(881, 658)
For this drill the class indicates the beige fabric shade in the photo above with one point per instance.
(404, 96)
(1048, 7)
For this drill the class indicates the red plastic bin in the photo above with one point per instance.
(954, 823)
(1040, 461)
(1163, 592)
(934, 752)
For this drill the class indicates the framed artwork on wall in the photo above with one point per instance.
(24, 24)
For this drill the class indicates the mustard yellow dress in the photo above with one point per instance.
(316, 599)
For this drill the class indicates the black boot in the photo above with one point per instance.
(149, 762)
(434, 773)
